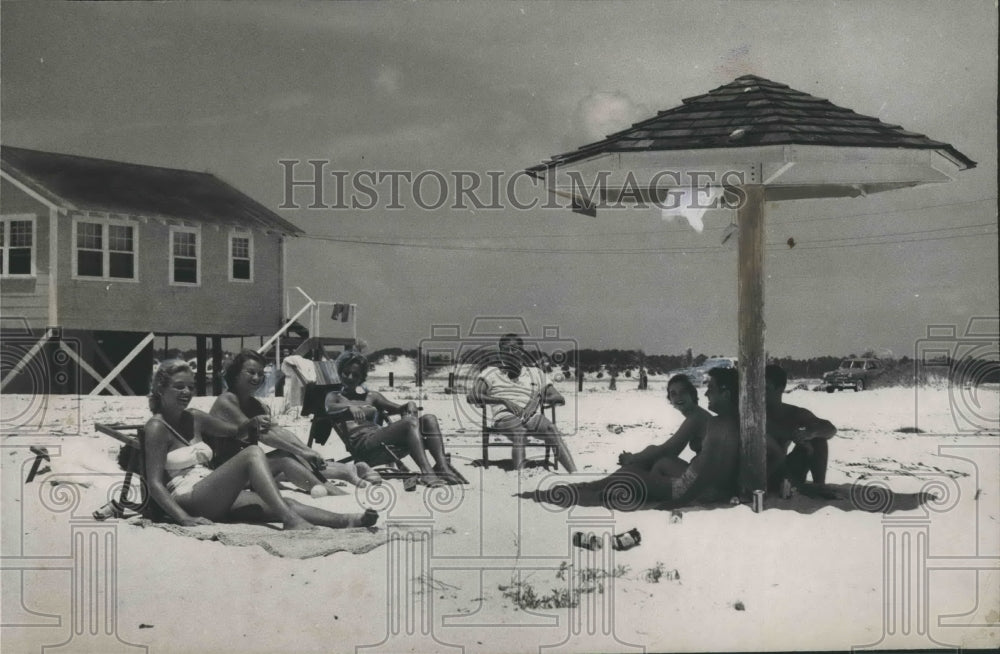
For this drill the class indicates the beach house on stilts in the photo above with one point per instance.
(100, 256)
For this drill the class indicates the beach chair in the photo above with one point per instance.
(314, 404)
(131, 460)
(41, 455)
(322, 369)
(488, 431)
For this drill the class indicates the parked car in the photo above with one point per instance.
(853, 373)
(699, 374)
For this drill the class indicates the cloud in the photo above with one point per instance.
(602, 113)
(388, 79)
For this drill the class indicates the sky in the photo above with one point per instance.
(442, 87)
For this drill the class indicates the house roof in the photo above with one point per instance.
(88, 184)
(750, 112)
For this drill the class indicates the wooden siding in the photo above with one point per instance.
(22, 297)
(216, 306)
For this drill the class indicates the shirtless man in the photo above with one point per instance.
(787, 424)
(518, 391)
(711, 476)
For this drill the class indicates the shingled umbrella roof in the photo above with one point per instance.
(767, 123)
(774, 143)
(89, 184)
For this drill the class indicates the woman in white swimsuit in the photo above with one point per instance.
(189, 492)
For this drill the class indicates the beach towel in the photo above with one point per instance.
(289, 544)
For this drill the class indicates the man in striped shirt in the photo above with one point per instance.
(517, 391)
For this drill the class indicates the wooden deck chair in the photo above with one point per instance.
(314, 404)
(488, 431)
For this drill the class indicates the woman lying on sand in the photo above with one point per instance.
(662, 461)
(665, 458)
(657, 474)
(188, 491)
(292, 459)
(354, 410)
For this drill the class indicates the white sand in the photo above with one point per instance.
(807, 580)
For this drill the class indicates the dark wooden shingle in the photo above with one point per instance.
(753, 111)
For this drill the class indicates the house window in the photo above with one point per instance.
(240, 257)
(185, 250)
(17, 246)
(105, 249)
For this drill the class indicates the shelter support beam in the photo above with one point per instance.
(753, 474)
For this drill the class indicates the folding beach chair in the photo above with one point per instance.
(41, 455)
(131, 460)
(314, 404)
(488, 431)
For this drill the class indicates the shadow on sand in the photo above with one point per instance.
(870, 498)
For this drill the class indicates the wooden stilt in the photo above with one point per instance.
(26, 359)
(216, 365)
(147, 339)
(201, 357)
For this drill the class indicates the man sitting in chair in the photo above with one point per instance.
(518, 391)
(354, 411)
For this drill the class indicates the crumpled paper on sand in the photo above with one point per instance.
(289, 544)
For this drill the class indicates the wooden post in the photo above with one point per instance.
(217, 365)
(201, 352)
(753, 474)
(390, 379)
(420, 363)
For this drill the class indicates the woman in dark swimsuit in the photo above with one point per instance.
(291, 459)
(354, 411)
